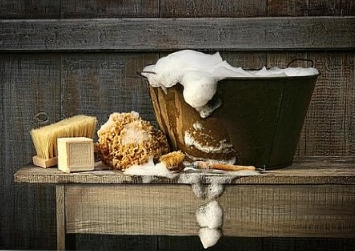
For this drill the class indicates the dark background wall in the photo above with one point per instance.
(41, 87)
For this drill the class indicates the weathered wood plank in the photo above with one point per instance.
(328, 129)
(334, 171)
(329, 125)
(109, 9)
(169, 34)
(211, 8)
(30, 97)
(287, 8)
(102, 83)
(331, 8)
(60, 213)
(246, 60)
(311, 8)
(21, 9)
(130, 209)
(279, 211)
(312, 211)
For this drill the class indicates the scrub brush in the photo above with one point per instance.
(173, 160)
(45, 138)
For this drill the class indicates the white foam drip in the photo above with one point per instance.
(210, 215)
(210, 183)
(209, 237)
(210, 218)
(223, 147)
(205, 184)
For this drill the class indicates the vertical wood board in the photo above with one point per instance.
(100, 84)
(329, 126)
(30, 97)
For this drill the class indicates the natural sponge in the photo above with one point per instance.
(126, 139)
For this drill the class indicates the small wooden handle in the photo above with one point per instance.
(224, 167)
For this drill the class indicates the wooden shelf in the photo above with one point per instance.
(312, 170)
(315, 197)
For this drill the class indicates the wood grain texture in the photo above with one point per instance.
(328, 128)
(311, 8)
(210, 8)
(109, 8)
(22, 9)
(282, 211)
(312, 211)
(30, 85)
(307, 171)
(131, 34)
(246, 60)
(332, 111)
(100, 84)
(331, 8)
(130, 209)
(60, 214)
(153, 8)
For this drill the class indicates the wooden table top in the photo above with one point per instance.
(312, 170)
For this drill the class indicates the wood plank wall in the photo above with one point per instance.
(40, 86)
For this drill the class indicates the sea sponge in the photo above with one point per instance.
(126, 139)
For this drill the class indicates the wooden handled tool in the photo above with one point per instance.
(220, 166)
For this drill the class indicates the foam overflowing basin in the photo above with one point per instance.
(250, 120)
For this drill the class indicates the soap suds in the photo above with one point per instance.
(199, 73)
(209, 237)
(149, 171)
(210, 215)
(210, 183)
(133, 133)
(197, 126)
(222, 147)
(205, 184)
(210, 218)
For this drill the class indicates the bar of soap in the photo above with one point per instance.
(75, 154)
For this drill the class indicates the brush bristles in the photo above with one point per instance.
(45, 138)
(172, 159)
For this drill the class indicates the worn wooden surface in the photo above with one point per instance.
(249, 211)
(311, 171)
(230, 34)
(312, 198)
(34, 88)
(60, 214)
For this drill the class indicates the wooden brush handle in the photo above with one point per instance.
(224, 167)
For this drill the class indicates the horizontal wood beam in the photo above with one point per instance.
(251, 211)
(312, 171)
(153, 34)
